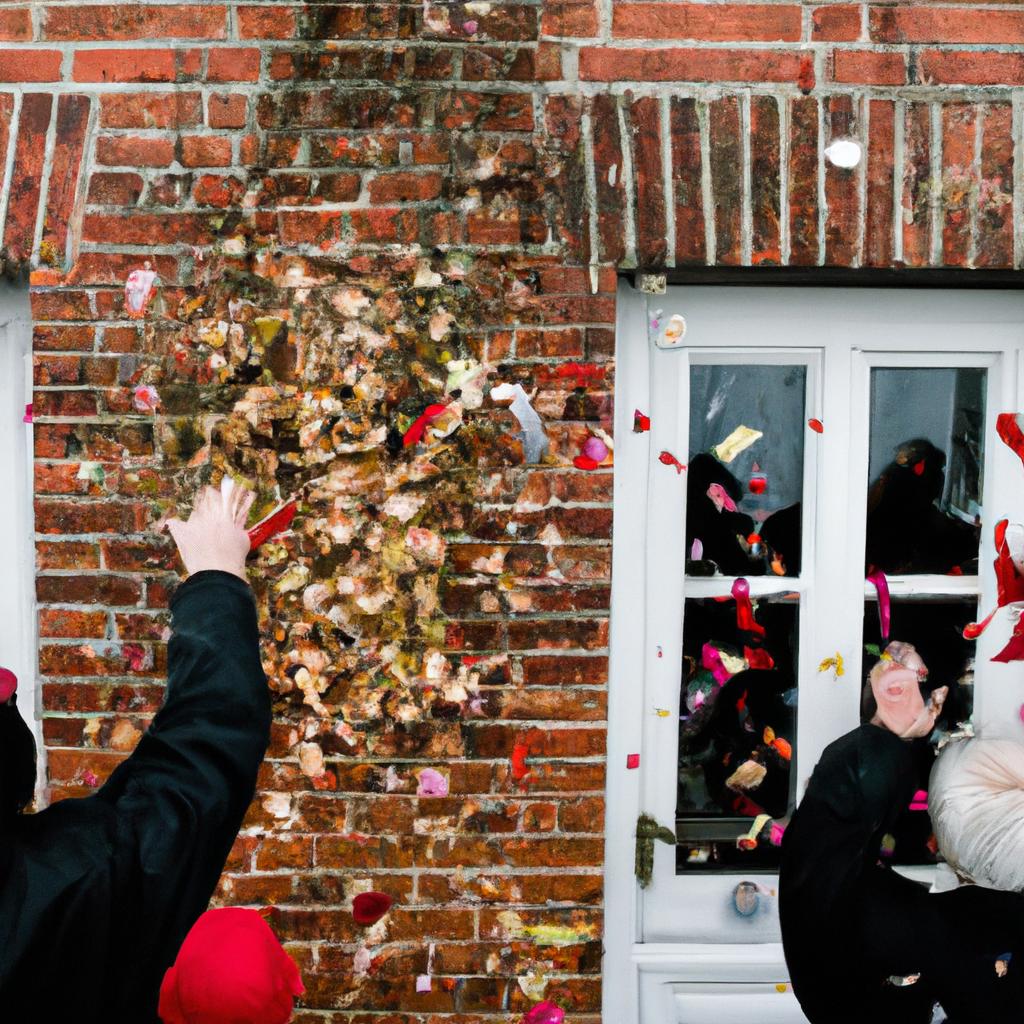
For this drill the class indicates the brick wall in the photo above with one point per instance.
(337, 200)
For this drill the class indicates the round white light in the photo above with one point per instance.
(844, 153)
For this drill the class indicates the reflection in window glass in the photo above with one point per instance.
(737, 731)
(935, 628)
(743, 503)
(927, 441)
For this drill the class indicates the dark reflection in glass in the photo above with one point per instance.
(935, 627)
(737, 731)
(743, 507)
(927, 453)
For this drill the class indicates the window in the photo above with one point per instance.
(869, 446)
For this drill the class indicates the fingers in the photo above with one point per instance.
(243, 513)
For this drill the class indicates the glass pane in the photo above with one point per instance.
(935, 627)
(737, 731)
(744, 497)
(927, 451)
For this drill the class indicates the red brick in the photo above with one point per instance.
(63, 622)
(205, 151)
(233, 64)
(30, 65)
(726, 158)
(803, 182)
(868, 67)
(135, 21)
(134, 151)
(839, 23)
(16, 25)
(919, 24)
(72, 125)
(878, 228)
(995, 197)
(76, 517)
(569, 19)
(226, 110)
(88, 589)
(945, 67)
(124, 66)
(959, 181)
(720, 22)
(765, 181)
(687, 186)
(78, 338)
(842, 188)
(916, 185)
(148, 229)
(645, 134)
(309, 227)
(405, 187)
(67, 554)
(29, 154)
(609, 174)
(109, 188)
(612, 64)
(151, 110)
(276, 22)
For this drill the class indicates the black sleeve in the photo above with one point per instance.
(207, 741)
(180, 798)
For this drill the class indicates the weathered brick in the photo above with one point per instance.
(645, 131)
(124, 66)
(16, 25)
(723, 22)
(765, 181)
(111, 188)
(726, 157)
(842, 188)
(205, 151)
(30, 65)
(868, 67)
(916, 186)
(612, 64)
(916, 23)
(113, 591)
(569, 19)
(995, 189)
(959, 181)
(837, 23)
(134, 21)
(803, 182)
(609, 177)
(878, 228)
(96, 517)
(227, 110)
(266, 22)
(970, 67)
(134, 151)
(66, 622)
(29, 153)
(151, 110)
(687, 186)
(405, 187)
(233, 64)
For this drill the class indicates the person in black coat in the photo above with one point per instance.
(862, 942)
(97, 894)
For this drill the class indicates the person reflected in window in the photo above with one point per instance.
(713, 518)
(102, 890)
(908, 531)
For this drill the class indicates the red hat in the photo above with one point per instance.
(230, 970)
(8, 685)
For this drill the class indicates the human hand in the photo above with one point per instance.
(214, 535)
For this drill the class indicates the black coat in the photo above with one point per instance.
(97, 894)
(849, 923)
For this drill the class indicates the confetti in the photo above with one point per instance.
(632, 760)
(817, 426)
(641, 423)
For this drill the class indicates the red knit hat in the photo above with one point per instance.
(230, 970)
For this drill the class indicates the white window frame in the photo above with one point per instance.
(18, 647)
(647, 583)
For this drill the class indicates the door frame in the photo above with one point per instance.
(628, 963)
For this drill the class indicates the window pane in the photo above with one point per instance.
(927, 441)
(737, 730)
(755, 491)
(935, 628)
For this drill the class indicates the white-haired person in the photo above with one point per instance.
(863, 943)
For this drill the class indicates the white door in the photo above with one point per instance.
(852, 397)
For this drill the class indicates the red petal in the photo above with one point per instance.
(817, 426)
(270, 526)
(585, 462)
